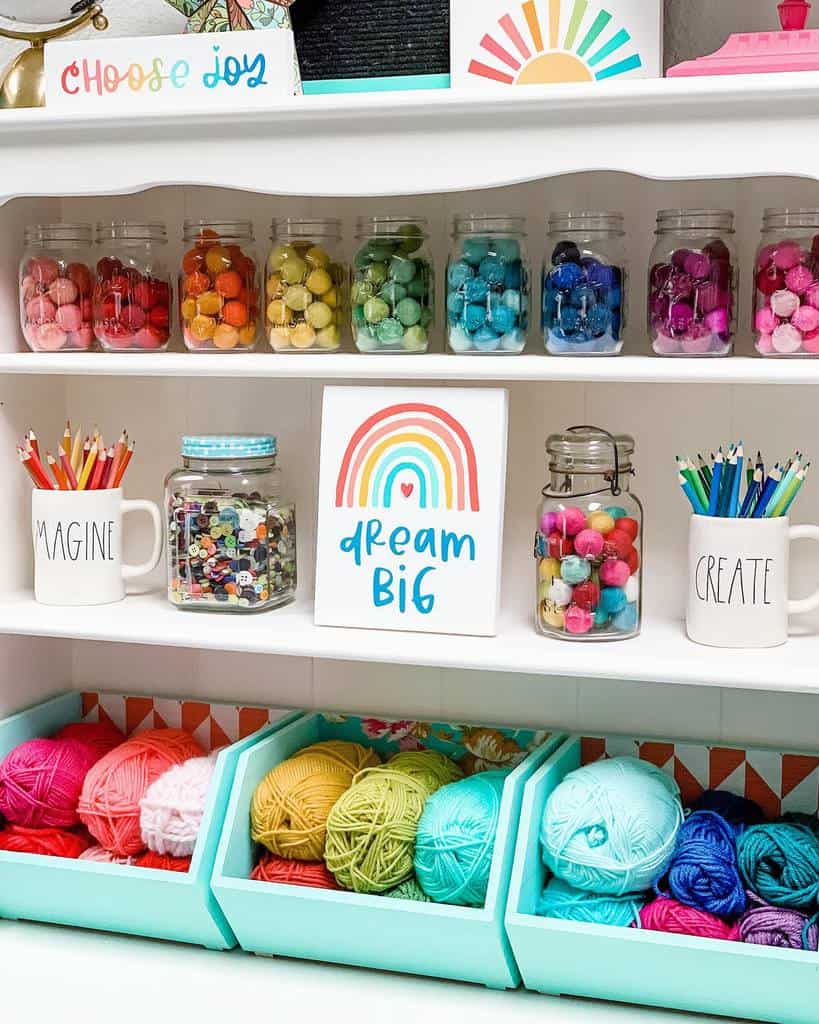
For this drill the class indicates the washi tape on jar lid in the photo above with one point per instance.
(229, 446)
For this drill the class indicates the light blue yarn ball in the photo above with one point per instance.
(562, 901)
(611, 826)
(456, 839)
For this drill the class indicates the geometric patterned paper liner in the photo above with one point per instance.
(476, 748)
(212, 725)
(778, 782)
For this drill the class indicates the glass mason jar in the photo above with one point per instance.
(132, 293)
(693, 283)
(585, 284)
(786, 284)
(306, 286)
(487, 295)
(393, 286)
(231, 541)
(588, 544)
(219, 286)
(56, 281)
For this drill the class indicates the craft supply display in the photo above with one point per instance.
(620, 851)
(219, 286)
(584, 284)
(488, 285)
(80, 464)
(786, 284)
(692, 285)
(231, 538)
(731, 485)
(588, 544)
(55, 283)
(306, 289)
(393, 285)
(132, 293)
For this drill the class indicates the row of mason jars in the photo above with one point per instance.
(119, 291)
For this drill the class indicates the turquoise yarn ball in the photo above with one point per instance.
(562, 901)
(611, 827)
(456, 839)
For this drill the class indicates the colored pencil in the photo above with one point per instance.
(98, 472)
(797, 487)
(82, 483)
(76, 451)
(32, 443)
(66, 442)
(771, 485)
(793, 468)
(57, 472)
(727, 486)
(752, 494)
(706, 472)
(733, 506)
(715, 484)
(126, 458)
(35, 470)
(68, 469)
(692, 495)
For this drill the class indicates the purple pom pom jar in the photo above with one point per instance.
(692, 284)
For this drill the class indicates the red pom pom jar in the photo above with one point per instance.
(692, 284)
(588, 543)
(132, 294)
(55, 286)
(786, 284)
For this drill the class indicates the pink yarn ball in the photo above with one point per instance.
(810, 343)
(69, 317)
(717, 321)
(812, 295)
(146, 338)
(99, 855)
(806, 319)
(614, 573)
(44, 270)
(766, 255)
(665, 346)
(99, 736)
(62, 291)
(48, 337)
(799, 279)
(787, 339)
(589, 543)
(570, 521)
(548, 523)
(578, 620)
(41, 781)
(764, 344)
(698, 344)
(667, 915)
(766, 321)
(40, 310)
(784, 303)
(81, 339)
(787, 255)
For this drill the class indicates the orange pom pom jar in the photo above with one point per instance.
(219, 286)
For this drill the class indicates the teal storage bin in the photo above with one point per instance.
(461, 943)
(120, 898)
(653, 968)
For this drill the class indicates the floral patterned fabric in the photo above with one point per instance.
(233, 15)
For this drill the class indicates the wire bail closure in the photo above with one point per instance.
(614, 485)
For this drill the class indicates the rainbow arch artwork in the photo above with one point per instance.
(545, 41)
(410, 450)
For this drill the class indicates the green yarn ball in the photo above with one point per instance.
(409, 890)
(371, 828)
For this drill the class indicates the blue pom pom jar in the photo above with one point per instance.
(487, 286)
(584, 284)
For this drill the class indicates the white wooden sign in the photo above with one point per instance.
(411, 499)
(216, 70)
(538, 42)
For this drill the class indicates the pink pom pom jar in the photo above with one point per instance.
(786, 284)
(55, 285)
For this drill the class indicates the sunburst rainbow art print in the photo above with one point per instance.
(538, 42)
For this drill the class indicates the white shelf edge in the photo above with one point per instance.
(431, 366)
(661, 654)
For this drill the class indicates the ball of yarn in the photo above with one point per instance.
(667, 915)
(810, 821)
(780, 864)
(109, 803)
(371, 829)
(41, 781)
(764, 925)
(703, 872)
(99, 855)
(737, 810)
(170, 813)
(162, 862)
(49, 842)
(568, 904)
(456, 839)
(288, 813)
(100, 736)
(610, 827)
(293, 872)
(409, 890)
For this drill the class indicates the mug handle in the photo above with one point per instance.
(806, 604)
(129, 572)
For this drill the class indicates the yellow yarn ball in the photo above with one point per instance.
(288, 813)
(371, 829)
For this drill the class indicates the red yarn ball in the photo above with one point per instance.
(667, 915)
(293, 872)
(628, 526)
(586, 595)
(163, 862)
(49, 842)
(560, 546)
(633, 560)
(41, 780)
(100, 736)
(617, 544)
(109, 803)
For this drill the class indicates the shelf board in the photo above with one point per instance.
(432, 366)
(186, 983)
(662, 653)
(323, 145)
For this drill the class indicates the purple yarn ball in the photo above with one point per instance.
(764, 925)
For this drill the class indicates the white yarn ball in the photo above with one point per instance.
(172, 808)
(100, 855)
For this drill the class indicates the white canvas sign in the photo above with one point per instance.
(410, 518)
(538, 42)
(216, 70)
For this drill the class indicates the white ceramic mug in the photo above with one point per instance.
(78, 545)
(738, 581)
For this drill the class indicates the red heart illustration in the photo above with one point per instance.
(406, 489)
